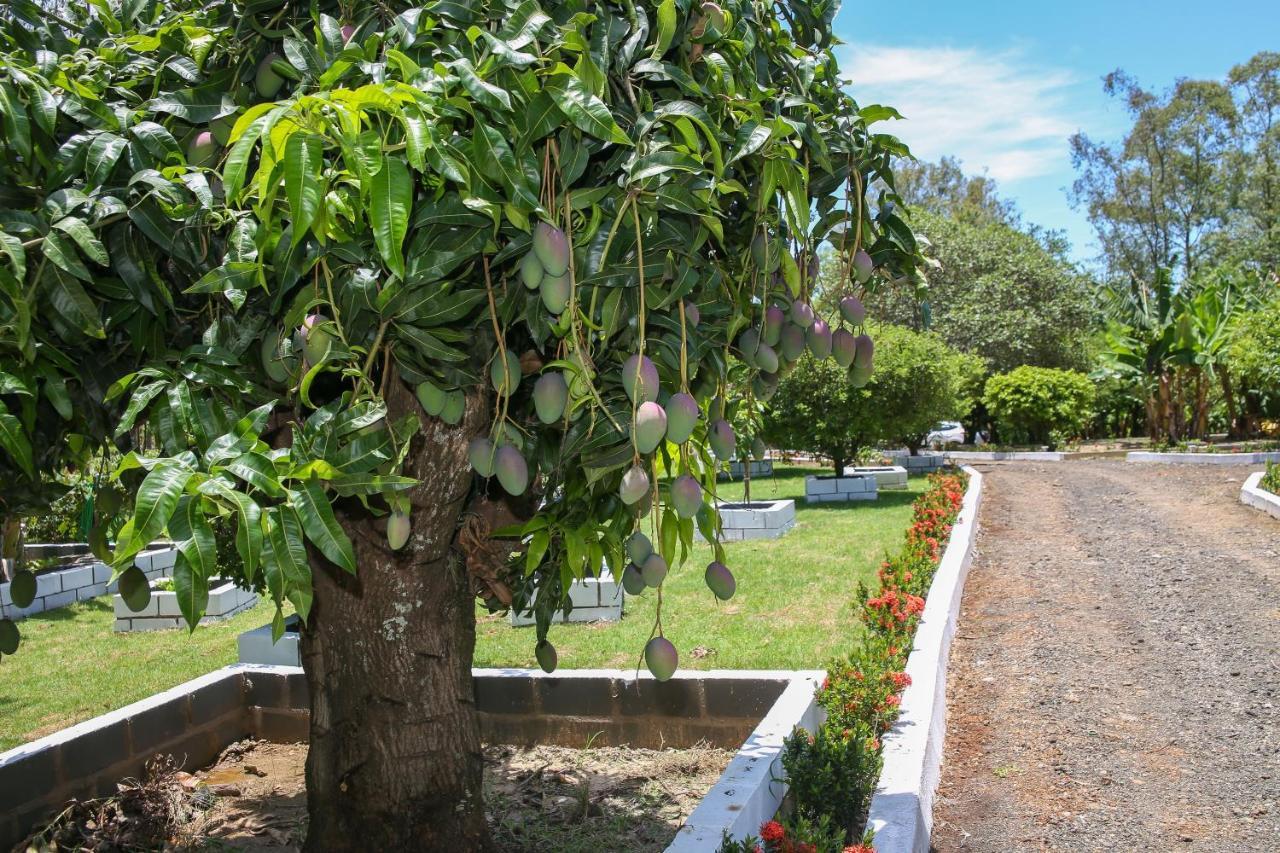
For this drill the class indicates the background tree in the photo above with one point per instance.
(1253, 358)
(1039, 405)
(996, 291)
(918, 381)
(341, 259)
(1154, 197)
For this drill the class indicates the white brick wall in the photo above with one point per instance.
(82, 582)
(162, 611)
(594, 600)
(862, 487)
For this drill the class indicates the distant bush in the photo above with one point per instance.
(918, 381)
(1039, 405)
(1271, 480)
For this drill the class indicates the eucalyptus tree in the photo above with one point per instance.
(410, 295)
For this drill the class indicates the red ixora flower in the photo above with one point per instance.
(772, 832)
(859, 848)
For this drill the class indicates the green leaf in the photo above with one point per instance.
(494, 159)
(83, 235)
(320, 525)
(391, 204)
(302, 163)
(237, 163)
(104, 151)
(153, 507)
(196, 563)
(73, 304)
(257, 470)
(588, 113)
(15, 442)
(285, 560)
(485, 93)
(666, 27)
(61, 251)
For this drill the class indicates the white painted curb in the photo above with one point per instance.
(1007, 455)
(1204, 458)
(902, 805)
(1254, 495)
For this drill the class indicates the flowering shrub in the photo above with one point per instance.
(796, 836)
(833, 773)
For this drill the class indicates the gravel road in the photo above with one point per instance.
(1115, 684)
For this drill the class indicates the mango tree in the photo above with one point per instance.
(428, 302)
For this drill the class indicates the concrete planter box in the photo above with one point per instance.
(902, 805)
(594, 600)
(1204, 458)
(162, 612)
(83, 581)
(759, 468)
(757, 520)
(195, 721)
(256, 647)
(925, 463)
(827, 490)
(887, 476)
(1257, 497)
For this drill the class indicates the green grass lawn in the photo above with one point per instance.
(791, 610)
(72, 666)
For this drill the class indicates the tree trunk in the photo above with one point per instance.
(395, 760)
(1229, 400)
(838, 462)
(10, 546)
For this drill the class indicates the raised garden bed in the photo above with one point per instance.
(596, 599)
(1253, 494)
(759, 468)
(888, 477)
(756, 520)
(82, 581)
(748, 712)
(832, 489)
(1192, 458)
(925, 463)
(162, 612)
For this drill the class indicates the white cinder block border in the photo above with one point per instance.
(162, 611)
(1008, 455)
(81, 582)
(594, 600)
(902, 806)
(761, 520)
(752, 787)
(1254, 495)
(1204, 458)
(832, 489)
(887, 476)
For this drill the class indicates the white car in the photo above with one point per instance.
(947, 432)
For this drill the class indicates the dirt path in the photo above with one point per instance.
(1115, 684)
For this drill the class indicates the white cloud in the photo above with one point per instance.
(1001, 113)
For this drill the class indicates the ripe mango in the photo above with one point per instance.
(552, 248)
(661, 658)
(550, 396)
(650, 427)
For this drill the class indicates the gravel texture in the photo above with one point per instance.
(1115, 684)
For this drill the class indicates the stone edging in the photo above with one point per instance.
(902, 805)
(1254, 495)
(752, 787)
(1008, 455)
(1204, 458)
(77, 583)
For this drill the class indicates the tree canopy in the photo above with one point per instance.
(918, 381)
(300, 262)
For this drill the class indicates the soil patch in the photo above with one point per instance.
(1115, 682)
(541, 799)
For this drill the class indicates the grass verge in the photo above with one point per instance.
(791, 609)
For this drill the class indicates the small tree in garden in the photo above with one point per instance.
(821, 408)
(416, 298)
(1039, 405)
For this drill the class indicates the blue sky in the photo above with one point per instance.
(1003, 85)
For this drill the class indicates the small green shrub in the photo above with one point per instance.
(1271, 480)
(1039, 405)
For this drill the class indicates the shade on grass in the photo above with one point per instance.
(791, 609)
(73, 666)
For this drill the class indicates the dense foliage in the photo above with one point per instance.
(1195, 183)
(918, 381)
(249, 237)
(1039, 405)
(1253, 357)
(997, 287)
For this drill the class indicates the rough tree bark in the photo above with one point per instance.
(395, 760)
